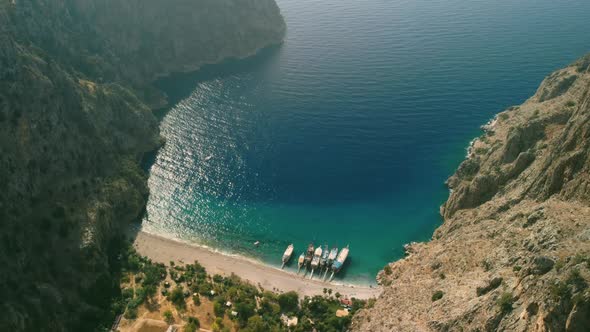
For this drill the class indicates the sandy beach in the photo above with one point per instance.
(163, 250)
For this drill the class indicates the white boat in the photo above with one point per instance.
(287, 255)
(300, 262)
(209, 157)
(339, 262)
(315, 262)
(331, 259)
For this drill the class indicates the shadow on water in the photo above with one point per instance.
(179, 86)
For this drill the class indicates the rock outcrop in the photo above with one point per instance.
(513, 253)
(74, 123)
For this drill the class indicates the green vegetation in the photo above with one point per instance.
(505, 302)
(288, 302)
(387, 270)
(559, 264)
(177, 297)
(251, 308)
(437, 295)
(481, 150)
(168, 317)
(570, 103)
(581, 258)
(192, 325)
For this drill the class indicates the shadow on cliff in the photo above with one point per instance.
(178, 86)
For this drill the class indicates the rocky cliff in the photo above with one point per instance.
(513, 253)
(74, 123)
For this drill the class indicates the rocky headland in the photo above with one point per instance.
(75, 121)
(513, 253)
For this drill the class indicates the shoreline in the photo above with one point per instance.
(163, 250)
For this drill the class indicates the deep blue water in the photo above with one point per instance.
(346, 133)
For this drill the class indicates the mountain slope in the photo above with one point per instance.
(74, 123)
(513, 253)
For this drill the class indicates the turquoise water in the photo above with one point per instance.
(346, 133)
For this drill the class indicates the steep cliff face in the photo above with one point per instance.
(74, 123)
(513, 253)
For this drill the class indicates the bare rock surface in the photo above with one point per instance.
(513, 253)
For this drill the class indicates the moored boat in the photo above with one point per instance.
(287, 255)
(339, 262)
(331, 257)
(315, 262)
(324, 258)
(300, 262)
(309, 254)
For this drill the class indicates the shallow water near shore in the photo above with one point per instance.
(345, 134)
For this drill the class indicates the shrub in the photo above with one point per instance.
(574, 278)
(437, 295)
(570, 103)
(505, 302)
(481, 150)
(387, 270)
(130, 313)
(168, 317)
(559, 264)
(578, 258)
(487, 265)
(289, 302)
(559, 290)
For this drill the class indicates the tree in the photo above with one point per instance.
(245, 311)
(256, 324)
(150, 291)
(177, 297)
(193, 324)
(205, 289)
(217, 278)
(217, 325)
(218, 309)
(168, 317)
(289, 302)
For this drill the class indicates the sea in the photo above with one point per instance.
(345, 134)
